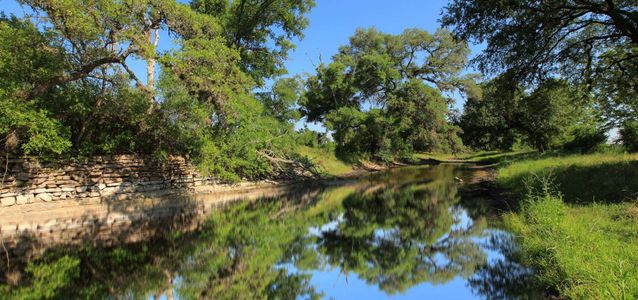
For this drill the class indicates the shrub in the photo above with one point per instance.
(586, 139)
(629, 135)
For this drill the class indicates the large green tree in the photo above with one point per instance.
(592, 43)
(489, 120)
(261, 30)
(548, 116)
(383, 94)
(68, 86)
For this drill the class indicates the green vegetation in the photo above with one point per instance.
(73, 92)
(382, 104)
(577, 223)
(552, 116)
(326, 161)
(557, 77)
(591, 44)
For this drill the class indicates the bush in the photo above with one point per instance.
(629, 135)
(586, 139)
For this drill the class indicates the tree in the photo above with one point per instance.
(383, 94)
(261, 30)
(105, 34)
(629, 135)
(67, 88)
(591, 43)
(551, 117)
(489, 121)
(280, 102)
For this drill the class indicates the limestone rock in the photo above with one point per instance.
(8, 201)
(44, 197)
(24, 198)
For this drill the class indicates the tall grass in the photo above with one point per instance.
(577, 224)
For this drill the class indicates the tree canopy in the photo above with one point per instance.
(261, 30)
(382, 94)
(68, 87)
(590, 43)
(549, 116)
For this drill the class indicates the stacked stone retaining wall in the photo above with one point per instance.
(105, 200)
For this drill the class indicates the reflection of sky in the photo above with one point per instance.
(336, 285)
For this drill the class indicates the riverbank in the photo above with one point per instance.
(110, 200)
(576, 221)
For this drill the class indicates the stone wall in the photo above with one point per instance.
(110, 199)
(30, 181)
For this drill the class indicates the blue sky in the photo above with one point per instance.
(332, 22)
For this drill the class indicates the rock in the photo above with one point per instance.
(109, 191)
(24, 199)
(81, 189)
(8, 201)
(44, 197)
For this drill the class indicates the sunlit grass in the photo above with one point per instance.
(326, 160)
(582, 235)
(479, 157)
(601, 177)
(585, 252)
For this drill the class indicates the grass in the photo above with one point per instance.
(578, 225)
(478, 157)
(604, 177)
(328, 163)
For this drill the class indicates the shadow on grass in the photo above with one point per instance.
(609, 182)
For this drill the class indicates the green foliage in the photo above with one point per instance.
(592, 44)
(552, 116)
(313, 139)
(261, 30)
(380, 102)
(629, 135)
(549, 115)
(585, 139)
(48, 279)
(244, 141)
(281, 100)
(488, 121)
(32, 129)
(67, 89)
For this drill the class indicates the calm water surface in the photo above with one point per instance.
(405, 234)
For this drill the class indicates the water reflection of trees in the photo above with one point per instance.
(505, 278)
(394, 232)
(398, 237)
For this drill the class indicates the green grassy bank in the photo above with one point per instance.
(577, 222)
(326, 161)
